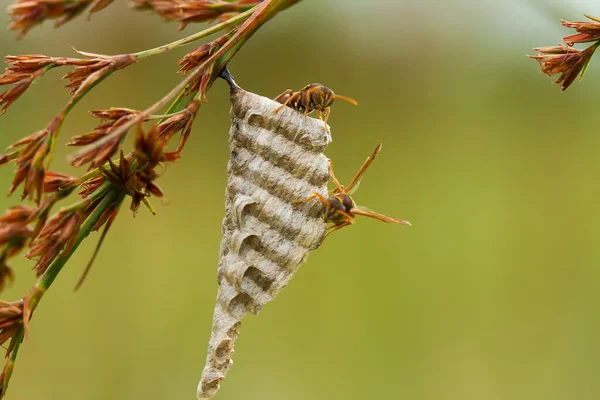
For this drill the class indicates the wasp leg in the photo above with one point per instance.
(334, 228)
(288, 101)
(338, 187)
(299, 201)
(315, 195)
(327, 112)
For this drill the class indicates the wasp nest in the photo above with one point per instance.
(276, 158)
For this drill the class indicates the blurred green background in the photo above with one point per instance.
(492, 294)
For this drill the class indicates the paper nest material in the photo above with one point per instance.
(275, 158)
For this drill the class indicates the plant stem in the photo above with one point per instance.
(231, 22)
(101, 191)
(115, 195)
(10, 363)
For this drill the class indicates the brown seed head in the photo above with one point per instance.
(98, 157)
(88, 71)
(27, 62)
(14, 235)
(588, 31)
(89, 187)
(11, 320)
(25, 14)
(58, 234)
(195, 10)
(31, 153)
(201, 54)
(563, 60)
(53, 181)
(22, 80)
(149, 147)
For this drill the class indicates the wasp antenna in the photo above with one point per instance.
(348, 99)
(383, 218)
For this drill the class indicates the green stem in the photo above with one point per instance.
(231, 22)
(77, 96)
(10, 363)
(115, 195)
(585, 67)
(88, 200)
(34, 295)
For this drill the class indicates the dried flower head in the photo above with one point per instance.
(97, 157)
(202, 53)
(90, 186)
(138, 183)
(55, 181)
(14, 235)
(180, 122)
(21, 79)
(23, 70)
(25, 14)
(30, 155)
(94, 67)
(565, 60)
(195, 10)
(588, 31)
(11, 320)
(14, 229)
(58, 234)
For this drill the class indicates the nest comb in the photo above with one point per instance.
(275, 158)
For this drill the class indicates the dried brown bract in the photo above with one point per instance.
(150, 147)
(14, 235)
(195, 10)
(30, 156)
(90, 186)
(566, 61)
(11, 320)
(97, 157)
(588, 31)
(25, 14)
(202, 53)
(98, 6)
(137, 183)
(180, 122)
(23, 70)
(54, 181)
(88, 71)
(21, 80)
(58, 234)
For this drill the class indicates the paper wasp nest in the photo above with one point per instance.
(276, 158)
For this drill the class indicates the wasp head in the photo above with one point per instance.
(338, 208)
(321, 97)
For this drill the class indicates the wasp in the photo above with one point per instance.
(339, 209)
(313, 97)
